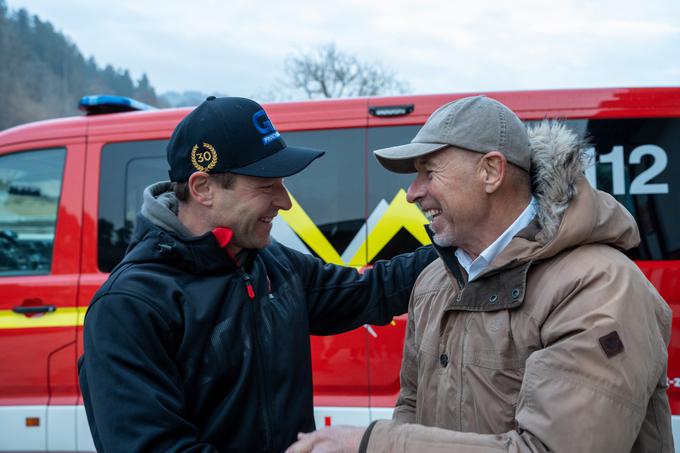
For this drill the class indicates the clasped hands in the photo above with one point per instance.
(336, 439)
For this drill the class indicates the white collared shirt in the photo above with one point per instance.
(473, 268)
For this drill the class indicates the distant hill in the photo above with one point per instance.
(44, 75)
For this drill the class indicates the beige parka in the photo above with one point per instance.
(559, 345)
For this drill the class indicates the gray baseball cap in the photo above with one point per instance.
(477, 123)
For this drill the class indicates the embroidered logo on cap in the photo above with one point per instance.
(265, 127)
(204, 158)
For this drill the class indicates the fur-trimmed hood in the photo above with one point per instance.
(558, 159)
(570, 211)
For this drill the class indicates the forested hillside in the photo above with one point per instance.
(43, 74)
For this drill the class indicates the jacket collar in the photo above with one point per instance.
(197, 255)
(497, 289)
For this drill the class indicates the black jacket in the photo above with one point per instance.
(179, 357)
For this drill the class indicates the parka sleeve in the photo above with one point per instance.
(131, 387)
(580, 392)
(340, 298)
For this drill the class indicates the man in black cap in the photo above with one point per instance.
(199, 339)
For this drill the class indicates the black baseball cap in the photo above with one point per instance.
(232, 135)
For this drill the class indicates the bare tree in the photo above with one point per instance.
(327, 72)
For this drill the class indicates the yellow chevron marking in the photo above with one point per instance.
(62, 317)
(300, 222)
(399, 214)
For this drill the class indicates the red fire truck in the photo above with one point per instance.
(70, 189)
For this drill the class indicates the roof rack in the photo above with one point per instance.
(106, 103)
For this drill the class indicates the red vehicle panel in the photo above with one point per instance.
(69, 189)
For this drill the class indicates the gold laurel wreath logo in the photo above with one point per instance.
(209, 155)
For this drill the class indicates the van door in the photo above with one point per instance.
(637, 161)
(328, 220)
(40, 218)
(394, 226)
(117, 174)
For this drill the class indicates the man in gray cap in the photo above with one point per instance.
(532, 331)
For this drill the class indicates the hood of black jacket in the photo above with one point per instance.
(159, 237)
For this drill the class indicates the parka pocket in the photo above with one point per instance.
(497, 348)
(492, 401)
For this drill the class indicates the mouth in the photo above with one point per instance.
(267, 219)
(431, 214)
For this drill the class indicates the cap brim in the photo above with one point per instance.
(286, 162)
(399, 159)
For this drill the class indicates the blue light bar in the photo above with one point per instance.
(106, 103)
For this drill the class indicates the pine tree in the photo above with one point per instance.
(43, 74)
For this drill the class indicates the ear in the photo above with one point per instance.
(201, 188)
(492, 168)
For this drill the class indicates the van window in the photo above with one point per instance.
(330, 191)
(636, 160)
(127, 168)
(30, 186)
(384, 186)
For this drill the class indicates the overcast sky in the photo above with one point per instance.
(238, 47)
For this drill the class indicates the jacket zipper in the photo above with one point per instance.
(264, 409)
(248, 283)
(461, 362)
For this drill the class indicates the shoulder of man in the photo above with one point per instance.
(143, 283)
(435, 277)
(595, 268)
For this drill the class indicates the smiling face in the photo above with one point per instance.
(248, 208)
(451, 194)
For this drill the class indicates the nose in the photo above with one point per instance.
(416, 190)
(281, 199)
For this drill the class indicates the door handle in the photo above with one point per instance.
(34, 309)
